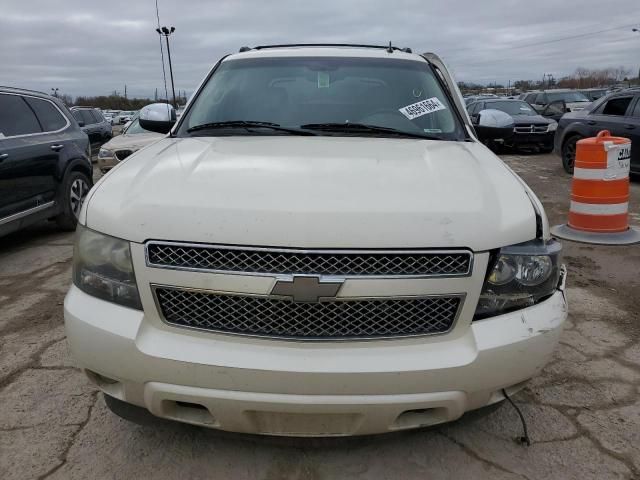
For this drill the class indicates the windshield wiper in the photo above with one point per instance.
(248, 125)
(364, 128)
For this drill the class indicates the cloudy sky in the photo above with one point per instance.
(96, 47)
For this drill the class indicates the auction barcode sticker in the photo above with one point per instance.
(422, 107)
(618, 160)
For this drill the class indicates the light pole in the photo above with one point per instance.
(55, 92)
(637, 30)
(166, 33)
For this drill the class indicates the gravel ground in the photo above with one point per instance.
(583, 410)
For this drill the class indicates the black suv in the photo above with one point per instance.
(45, 166)
(618, 112)
(93, 123)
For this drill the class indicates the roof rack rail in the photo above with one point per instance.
(355, 45)
(25, 90)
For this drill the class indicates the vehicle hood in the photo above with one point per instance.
(575, 114)
(530, 119)
(132, 142)
(578, 105)
(314, 192)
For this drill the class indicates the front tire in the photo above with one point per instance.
(569, 153)
(74, 190)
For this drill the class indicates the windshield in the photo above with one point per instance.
(134, 128)
(295, 92)
(568, 97)
(512, 107)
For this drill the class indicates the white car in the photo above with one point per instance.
(320, 246)
(124, 117)
(110, 115)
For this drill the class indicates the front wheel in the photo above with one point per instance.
(74, 191)
(569, 153)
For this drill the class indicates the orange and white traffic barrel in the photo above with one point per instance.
(600, 193)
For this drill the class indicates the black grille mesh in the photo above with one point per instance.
(367, 318)
(122, 154)
(320, 263)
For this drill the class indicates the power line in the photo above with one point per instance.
(571, 37)
(555, 40)
(495, 60)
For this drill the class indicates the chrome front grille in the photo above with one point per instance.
(328, 320)
(310, 262)
(541, 128)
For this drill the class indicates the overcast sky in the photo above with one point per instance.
(95, 47)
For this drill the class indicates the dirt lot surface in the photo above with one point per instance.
(583, 411)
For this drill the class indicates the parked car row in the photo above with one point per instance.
(109, 115)
(541, 99)
(558, 119)
(118, 117)
(124, 116)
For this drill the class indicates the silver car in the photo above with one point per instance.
(133, 138)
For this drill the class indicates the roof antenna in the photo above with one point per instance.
(390, 49)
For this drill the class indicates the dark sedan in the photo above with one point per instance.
(619, 113)
(531, 131)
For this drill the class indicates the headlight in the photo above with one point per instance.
(520, 276)
(105, 153)
(102, 267)
(552, 127)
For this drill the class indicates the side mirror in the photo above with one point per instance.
(493, 124)
(158, 117)
(555, 109)
(80, 123)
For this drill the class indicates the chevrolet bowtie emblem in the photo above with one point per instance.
(307, 289)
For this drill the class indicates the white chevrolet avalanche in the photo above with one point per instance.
(319, 246)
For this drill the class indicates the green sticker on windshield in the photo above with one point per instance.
(323, 80)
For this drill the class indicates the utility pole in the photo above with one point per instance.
(155, 97)
(125, 90)
(166, 33)
(637, 30)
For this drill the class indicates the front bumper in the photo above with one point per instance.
(276, 387)
(544, 140)
(108, 163)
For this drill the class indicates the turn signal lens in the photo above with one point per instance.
(504, 271)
